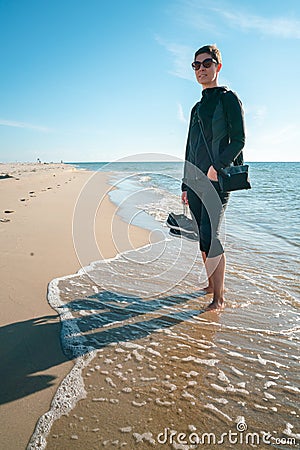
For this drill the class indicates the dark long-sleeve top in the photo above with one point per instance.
(221, 114)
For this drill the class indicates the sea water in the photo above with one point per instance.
(138, 321)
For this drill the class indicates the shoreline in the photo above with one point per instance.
(39, 201)
(155, 353)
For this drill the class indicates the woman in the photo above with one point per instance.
(217, 122)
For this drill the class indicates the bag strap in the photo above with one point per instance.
(205, 141)
(239, 160)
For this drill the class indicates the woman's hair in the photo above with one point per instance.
(212, 50)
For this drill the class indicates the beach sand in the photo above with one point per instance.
(160, 365)
(37, 204)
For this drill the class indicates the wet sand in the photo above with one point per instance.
(159, 366)
(37, 204)
(159, 371)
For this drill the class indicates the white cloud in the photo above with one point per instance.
(202, 16)
(282, 27)
(11, 123)
(181, 58)
(258, 113)
(198, 14)
(181, 115)
(195, 14)
(273, 144)
(286, 134)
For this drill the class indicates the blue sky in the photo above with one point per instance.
(95, 80)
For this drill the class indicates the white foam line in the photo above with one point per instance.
(72, 386)
(71, 389)
(213, 408)
(254, 330)
(288, 432)
(93, 265)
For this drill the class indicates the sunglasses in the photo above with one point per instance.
(207, 63)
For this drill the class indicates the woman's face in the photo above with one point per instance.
(208, 77)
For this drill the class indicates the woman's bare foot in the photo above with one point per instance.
(208, 290)
(215, 305)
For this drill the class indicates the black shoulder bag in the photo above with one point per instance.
(231, 178)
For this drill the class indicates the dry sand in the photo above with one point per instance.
(37, 203)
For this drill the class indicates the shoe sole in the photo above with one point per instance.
(182, 236)
(176, 227)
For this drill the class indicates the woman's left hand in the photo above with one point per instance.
(212, 174)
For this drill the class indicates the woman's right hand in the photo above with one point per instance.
(184, 198)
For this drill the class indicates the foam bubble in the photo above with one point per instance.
(215, 409)
(190, 374)
(161, 402)
(291, 388)
(139, 404)
(188, 396)
(127, 389)
(110, 382)
(260, 406)
(269, 396)
(269, 384)
(144, 437)
(126, 429)
(288, 431)
(137, 355)
(236, 371)
(223, 377)
(153, 352)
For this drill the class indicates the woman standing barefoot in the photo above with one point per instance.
(219, 117)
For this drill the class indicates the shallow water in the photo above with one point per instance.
(151, 364)
(142, 352)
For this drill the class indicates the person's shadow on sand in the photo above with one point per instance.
(116, 308)
(28, 348)
(32, 346)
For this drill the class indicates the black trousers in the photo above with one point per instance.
(207, 210)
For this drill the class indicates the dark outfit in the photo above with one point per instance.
(221, 116)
